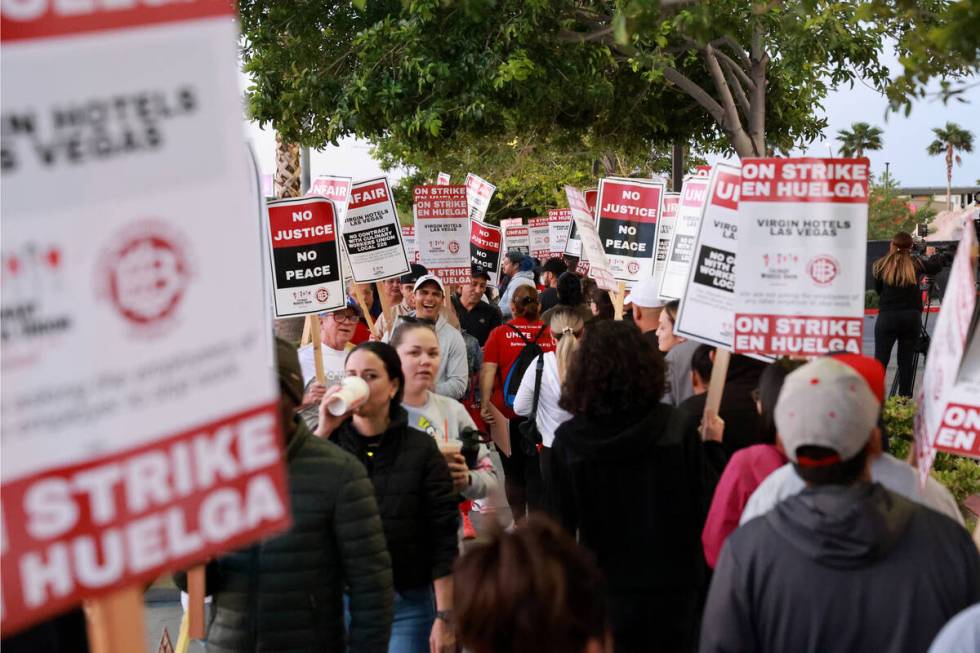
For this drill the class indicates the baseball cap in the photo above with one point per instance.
(289, 372)
(825, 403)
(645, 294)
(426, 278)
(555, 266)
(479, 272)
(413, 275)
(870, 368)
(351, 304)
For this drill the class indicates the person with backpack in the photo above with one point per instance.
(509, 352)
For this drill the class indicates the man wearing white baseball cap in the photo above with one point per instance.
(646, 304)
(846, 565)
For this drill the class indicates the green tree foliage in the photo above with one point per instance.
(950, 141)
(889, 213)
(858, 139)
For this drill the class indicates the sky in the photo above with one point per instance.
(905, 139)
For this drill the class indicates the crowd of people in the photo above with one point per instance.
(525, 473)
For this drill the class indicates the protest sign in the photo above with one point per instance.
(705, 312)
(442, 232)
(372, 233)
(559, 228)
(442, 179)
(540, 238)
(305, 256)
(573, 246)
(408, 238)
(485, 248)
(137, 435)
(591, 245)
(665, 229)
(801, 250)
(478, 194)
(626, 213)
(337, 189)
(948, 418)
(517, 238)
(685, 232)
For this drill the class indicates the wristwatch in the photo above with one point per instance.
(445, 615)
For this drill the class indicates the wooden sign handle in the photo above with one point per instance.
(115, 621)
(314, 323)
(618, 298)
(363, 305)
(716, 387)
(195, 602)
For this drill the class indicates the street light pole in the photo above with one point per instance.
(887, 164)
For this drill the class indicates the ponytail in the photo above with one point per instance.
(565, 324)
(897, 267)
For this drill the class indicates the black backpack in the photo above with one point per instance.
(530, 351)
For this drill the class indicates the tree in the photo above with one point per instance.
(950, 140)
(861, 137)
(889, 213)
(736, 74)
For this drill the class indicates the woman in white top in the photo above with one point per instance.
(441, 417)
(566, 328)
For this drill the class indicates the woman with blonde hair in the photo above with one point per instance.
(897, 275)
(540, 390)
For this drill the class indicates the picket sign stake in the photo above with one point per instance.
(195, 602)
(719, 370)
(314, 322)
(364, 306)
(307, 332)
(115, 621)
(183, 641)
(618, 298)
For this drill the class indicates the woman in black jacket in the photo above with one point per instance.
(631, 479)
(897, 277)
(415, 498)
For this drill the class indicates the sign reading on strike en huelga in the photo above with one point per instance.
(485, 248)
(803, 225)
(336, 188)
(626, 214)
(591, 245)
(478, 194)
(540, 238)
(137, 436)
(372, 233)
(948, 418)
(305, 256)
(665, 229)
(442, 232)
(685, 232)
(408, 237)
(559, 228)
(705, 313)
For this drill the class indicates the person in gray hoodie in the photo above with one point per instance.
(520, 268)
(846, 565)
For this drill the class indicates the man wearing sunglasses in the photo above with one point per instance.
(336, 331)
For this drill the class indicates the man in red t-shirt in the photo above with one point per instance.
(504, 345)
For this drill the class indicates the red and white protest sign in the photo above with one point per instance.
(591, 245)
(305, 256)
(707, 303)
(626, 218)
(665, 230)
(559, 228)
(803, 226)
(683, 236)
(442, 179)
(582, 266)
(336, 188)
(478, 194)
(442, 232)
(517, 237)
(137, 435)
(408, 238)
(540, 238)
(948, 418)
(485, 248)
(372, 233)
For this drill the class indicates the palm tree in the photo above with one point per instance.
(861, 137)
(949, 140)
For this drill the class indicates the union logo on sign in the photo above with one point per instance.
(633, 267)
(823, 269)
(453, 247)
(322, 295)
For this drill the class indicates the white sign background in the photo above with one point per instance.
(682, 239)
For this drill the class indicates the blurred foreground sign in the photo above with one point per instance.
(139, 402)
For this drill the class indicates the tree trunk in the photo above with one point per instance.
(288, 183)
(949, 176)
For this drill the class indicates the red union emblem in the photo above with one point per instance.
(633, 267)
(322, 294)
(453, 247)
(823, 269)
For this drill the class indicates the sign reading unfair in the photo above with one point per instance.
(305, 256)
(803, 226)
(627, 211)
(372, 233)
(683, 236)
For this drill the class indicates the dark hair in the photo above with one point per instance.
(533, 590)
(671, 309)
(569, 289)
(404, 327)
(391, 361)
(525, 301)
(840, 473)
(701, 362)
(555, 266)
(615, 371)
(770, 383)
(602, 301)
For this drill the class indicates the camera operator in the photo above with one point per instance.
(897, 276)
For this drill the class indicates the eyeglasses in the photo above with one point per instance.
(341, 319)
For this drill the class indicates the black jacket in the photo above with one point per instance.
(908, 298)
(415, 497)
(842, 569)
(637, 489)
(285, 594)
(479, 322)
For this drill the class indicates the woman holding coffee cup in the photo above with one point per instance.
(413, 488)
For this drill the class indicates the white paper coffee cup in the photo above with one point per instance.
(352, 390)
(449, 446)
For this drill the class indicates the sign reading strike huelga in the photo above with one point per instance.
(540, 237)
(685, 232)
(485, 248)
(626, 214)
(705, 312)
(559, 229)
(305, 255)
(591, 245)
(803, 226)
(372, 233)
(442, 232)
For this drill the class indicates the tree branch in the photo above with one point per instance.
(740, 96)
(735, 68)
(601, 35)
(757, 116)
(721, 85)
(701, 96)
(736, 48)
